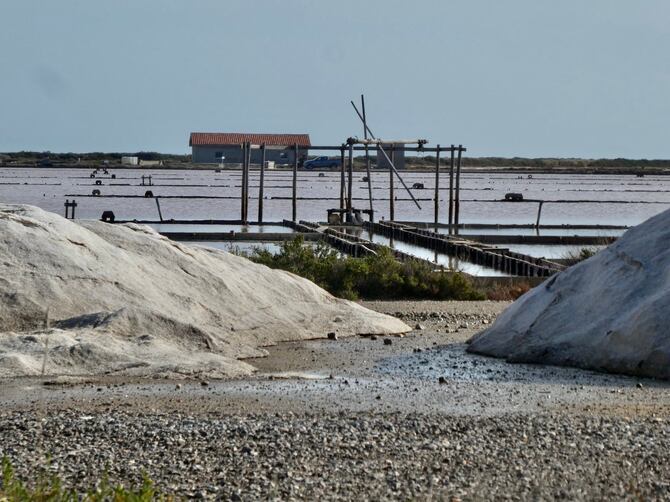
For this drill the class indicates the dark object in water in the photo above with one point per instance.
(148, 193)
(96, 192)
(108, 216)
(513, 197)
(365, 178)
(98, 182)
(418, 186)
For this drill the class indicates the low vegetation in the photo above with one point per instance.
(50, 488)
(574, 257)
(379, 277)
(507, 292)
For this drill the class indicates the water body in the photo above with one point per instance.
(239, 247)
(206, 194)
(617, 199)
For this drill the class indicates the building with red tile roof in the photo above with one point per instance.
(226, 148)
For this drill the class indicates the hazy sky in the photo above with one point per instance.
(569, 78)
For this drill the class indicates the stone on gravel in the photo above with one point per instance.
(610, 312)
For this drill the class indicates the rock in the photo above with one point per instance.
(204, 383)
(608, 313)
(442, 380)
(419, 327)
(388, 341)
(332, 336)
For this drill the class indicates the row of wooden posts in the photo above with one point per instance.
(500, 259)
(346, 185)
(347, 243)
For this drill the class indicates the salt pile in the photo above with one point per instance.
(123, 299)
(608, 313)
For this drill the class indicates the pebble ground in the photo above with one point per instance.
(357, 419)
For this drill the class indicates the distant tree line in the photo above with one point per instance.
(410, 160)
(95, 156)
(545, 162)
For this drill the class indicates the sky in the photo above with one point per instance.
(527, 78)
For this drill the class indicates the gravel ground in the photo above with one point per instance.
(354, 456)
(411, 417)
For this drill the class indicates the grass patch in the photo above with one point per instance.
(379, 277)
(49, 488)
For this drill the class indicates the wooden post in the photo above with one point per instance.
(342, 177)
(158, 206)
(391, 195)
(242, 193)
(451, 192)
(539, 213)
(367, 172)
(70, 205)
(350, 185)
(262, 185)
(295, 184)
(246, 185)
(367, 158)
(457, 207)
(437, 186)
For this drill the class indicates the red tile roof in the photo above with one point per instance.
(227, 138)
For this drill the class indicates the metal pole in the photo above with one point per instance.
(342, 177)
(351, 179)
(391, 195)
(458, 190)
(367, 158)
(295, 184)
(437, 185)
(262, 185)
(451, 192)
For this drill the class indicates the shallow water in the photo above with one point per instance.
(631, 199)
(551, 251)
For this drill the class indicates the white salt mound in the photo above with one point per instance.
(608, 313)
(123, 299)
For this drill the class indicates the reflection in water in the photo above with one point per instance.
(48, 189)
(181, 227)
(239, 247)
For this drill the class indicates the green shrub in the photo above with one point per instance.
(49, 488)
(375, 277)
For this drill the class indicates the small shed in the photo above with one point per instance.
(226, 148)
